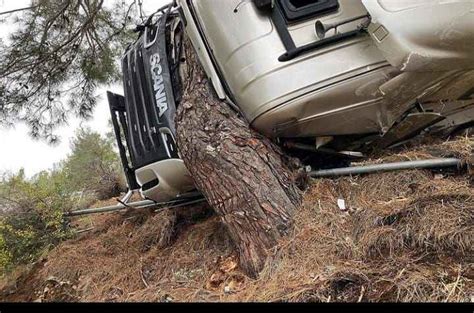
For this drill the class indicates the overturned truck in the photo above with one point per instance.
(323, 79)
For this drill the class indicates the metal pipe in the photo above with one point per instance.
(186, 203)
(127, 196)
(354, 170)
(110, 208)
(138, 205)
(365, 169)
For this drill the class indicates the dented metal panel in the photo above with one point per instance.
(361, 85)
(246, 46)
(424, 35)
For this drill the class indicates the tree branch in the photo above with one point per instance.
(18, 10)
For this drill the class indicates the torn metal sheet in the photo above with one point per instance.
(409, 127)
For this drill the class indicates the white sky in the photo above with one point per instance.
(18, 150)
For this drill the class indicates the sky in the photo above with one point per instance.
(18, 150)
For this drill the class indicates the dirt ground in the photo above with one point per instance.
(403, 236)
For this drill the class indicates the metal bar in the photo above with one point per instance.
(138, 113)
(127, 196)
(291, 54)
(111, 208)
(186, 203)
(130, 109)
(117, 106)
(282, 30)
(177, 202)
(140, 68)
(365, 169)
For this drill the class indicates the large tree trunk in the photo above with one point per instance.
(241, 173)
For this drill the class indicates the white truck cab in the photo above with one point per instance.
(332, 74)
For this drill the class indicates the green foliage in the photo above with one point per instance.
(57, 56)
(5, 255)
(31, 210)
(32, 215)
(94, 165)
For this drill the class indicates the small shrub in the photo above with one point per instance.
(31, 220)
(31, 209)
(93, 165)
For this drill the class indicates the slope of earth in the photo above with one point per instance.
(404, 236)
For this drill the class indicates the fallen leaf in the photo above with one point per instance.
(228, 265)
(216, 280)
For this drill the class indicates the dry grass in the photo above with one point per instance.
(119, 260)
(396, 242)
(405, 236)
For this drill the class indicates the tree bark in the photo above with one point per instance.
(242, 174)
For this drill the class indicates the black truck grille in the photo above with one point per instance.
(149, 98)
(143, 119)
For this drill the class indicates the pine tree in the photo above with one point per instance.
(53, 62)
